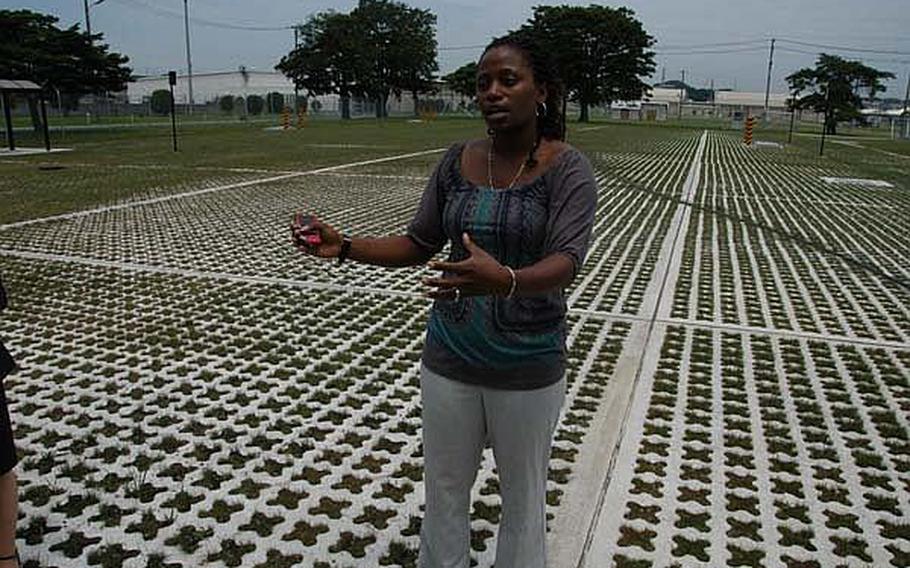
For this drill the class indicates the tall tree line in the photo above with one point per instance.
(835, 88)
(384, 47)
(602, 54)
(380, 48)
(64, 61)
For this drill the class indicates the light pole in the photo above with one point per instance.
(905, 112)
(768, 83)
(59, 102)
(296, 87)
(189, 61)
(682, 90)
(88, 22)
(821, 148)
(792, 104)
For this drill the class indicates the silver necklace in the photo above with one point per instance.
(490, 169)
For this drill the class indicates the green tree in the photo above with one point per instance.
(400, 45)
(413, 63)
(255, 104)
(329, 58)
(602, 53)
(835, 88)
(463, 80)
(161, 101)
(226, 104)
(32, 47)
(381, 48)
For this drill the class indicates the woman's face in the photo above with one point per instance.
(506, 91)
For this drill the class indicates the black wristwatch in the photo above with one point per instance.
(345, 248)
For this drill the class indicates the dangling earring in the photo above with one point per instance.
(490, 132)
(541, 110)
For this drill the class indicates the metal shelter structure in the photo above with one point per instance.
(9, 87)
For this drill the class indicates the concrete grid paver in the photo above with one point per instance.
(332, 422)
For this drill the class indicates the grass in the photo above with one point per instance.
(110, 166)
(329, 421)
(114, 165)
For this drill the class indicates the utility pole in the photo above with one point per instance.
(906, 108)
(189, 61)
(792, 105)
(821, 148)
(768, 84)
(88, 23)
(171, 81)
(682, 91)
(905, 112)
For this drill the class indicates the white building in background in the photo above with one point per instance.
(668, 96)
(749, 103)
(209, 87)
(897, 120)
(639, 110)
(661, 103)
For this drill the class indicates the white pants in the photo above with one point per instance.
(457, 420)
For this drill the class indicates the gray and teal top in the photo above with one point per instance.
(516, 343)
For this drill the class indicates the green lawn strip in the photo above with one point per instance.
(110, 166)
(901, 147)
(28, 192)
(861, 159)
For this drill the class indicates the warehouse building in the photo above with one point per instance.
(208, 88)
(663, 103)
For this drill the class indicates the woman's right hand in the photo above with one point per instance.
(327, 246)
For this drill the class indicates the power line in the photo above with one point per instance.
(742, 46)
(459, 47)
(712, 51)
(695, 49)
(719, 44)
(845, 48)
(206, 22)
(861, 58)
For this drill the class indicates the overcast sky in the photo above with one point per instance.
(150, 32)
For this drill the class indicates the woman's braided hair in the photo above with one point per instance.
(550, 124)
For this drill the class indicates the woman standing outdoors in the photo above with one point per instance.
(517, 208)
(9, 502)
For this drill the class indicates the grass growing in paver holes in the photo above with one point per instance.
(234, 377)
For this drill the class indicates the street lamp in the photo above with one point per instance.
(189, 61)
(88, 22)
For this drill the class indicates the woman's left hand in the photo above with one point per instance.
(478, 275)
